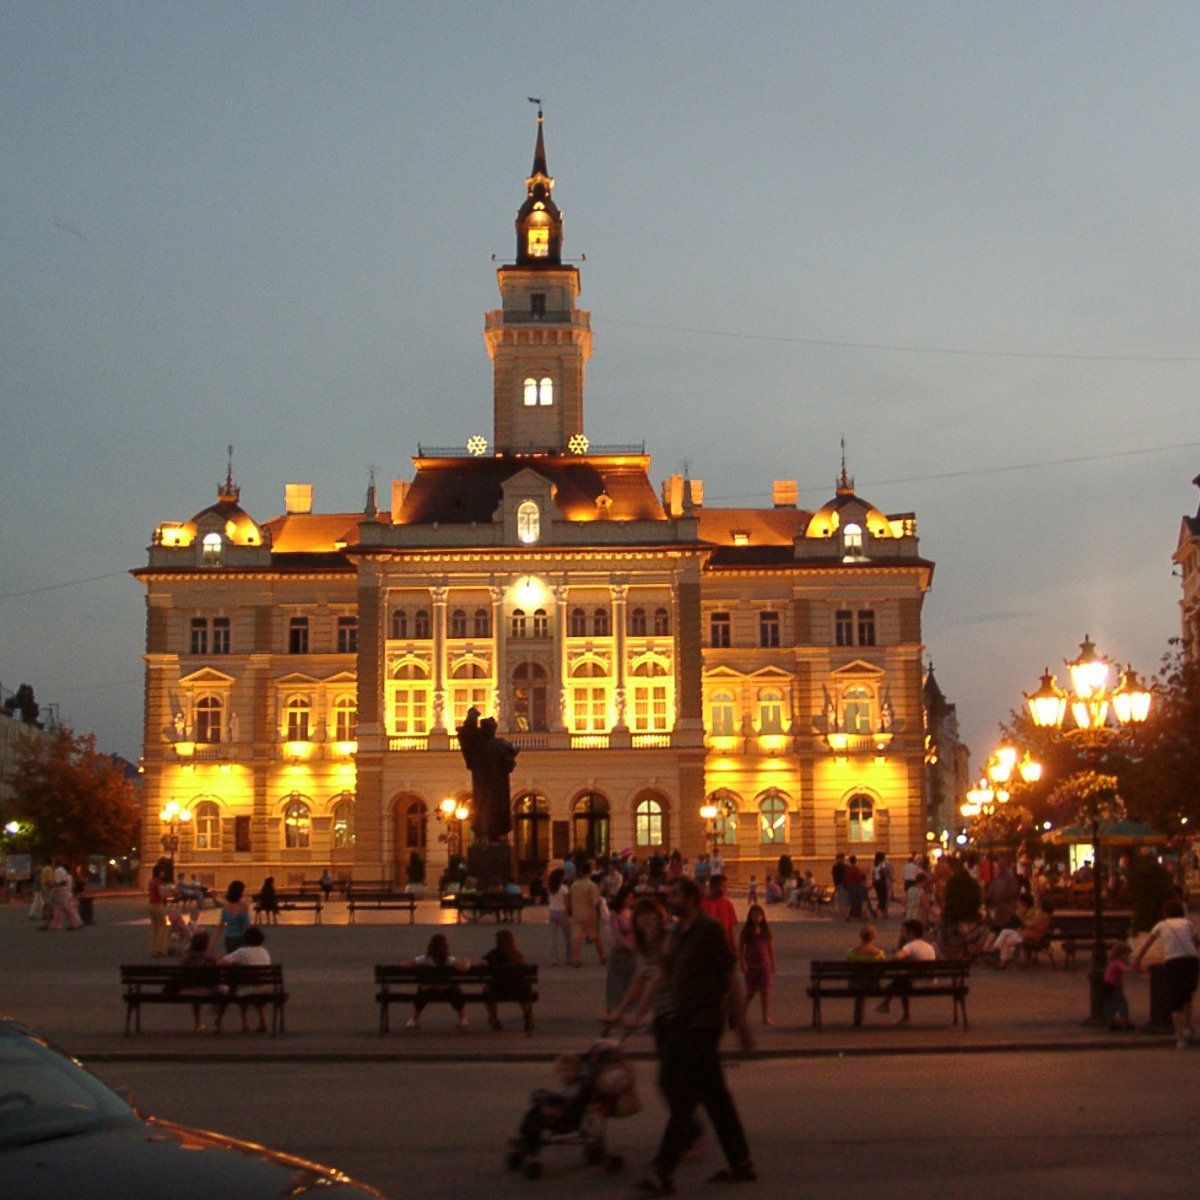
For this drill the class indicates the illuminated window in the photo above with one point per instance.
(600, 622)
(421, 625)
(648, 824)
(637, 622)
(298, 635)
(541, 623)
(410, 710)
(345, 719)
(529, 697)
(590, 825)
(860, 818)
(529, 522)
(843, 627)
(518, 623)
(209, 711)
(399, 624)
(539, 393)
(768, 629)
(589, 709)
(211, 550)
(649, 698)
(220, 638)
(577, 623)
(199, 642)
(347, 635)
(770, 711)
(458, 624)
(662, 623)
(538, 242)
(856, 710)
(299, 714)
(468, 690)
(482, 623)
(722, 715)
(206, 826)
(772, 821)
(297, 825)
(343, 822)
(720, 627)
(727, 817)
(852, 540)
(866, 627)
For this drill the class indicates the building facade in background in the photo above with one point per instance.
(648, 654)
(1187, 556)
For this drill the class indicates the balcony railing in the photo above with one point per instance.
(409, 742)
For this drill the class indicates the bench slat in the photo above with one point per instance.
(843, 979)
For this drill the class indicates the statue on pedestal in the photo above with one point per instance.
(491, 760)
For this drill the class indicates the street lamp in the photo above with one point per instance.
(712, 829)
(1100, 716)
(452, 814)
(172, 816)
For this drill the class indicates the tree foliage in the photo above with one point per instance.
(77, 800)
(22, 706)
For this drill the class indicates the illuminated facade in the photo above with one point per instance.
(646, 653)
(1187, 556)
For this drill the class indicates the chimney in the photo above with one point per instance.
(297, 498)
(785, 493)
(399, 495)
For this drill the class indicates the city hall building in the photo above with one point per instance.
(649, 655)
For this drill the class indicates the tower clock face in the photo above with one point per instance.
(539, 243)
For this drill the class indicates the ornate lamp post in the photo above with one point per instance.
(1100, 716)
(452, 814)
(172, 816)
(1005, 771)
(712, 829)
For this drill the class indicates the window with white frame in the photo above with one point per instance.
(726, 827)
(209, 718)
(220, 635)
(298, 719)
(856, 710)
(458, 624)
(529, 522)
(345, 719)
(722, 715)
(529, 682)
(650, 698)
(648, 823)
(539, 393)
(772, 820)
(347, 635)
(343, 822)
(852, 540)
(518, 624)
(860, 818)
(297, 824)
(589, 701)
(210, 550)
(770, 711)
(206, 825)
(468, 689)
(541, 623)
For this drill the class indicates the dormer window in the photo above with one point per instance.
(539, 392)
(211, 550)
(852, 541)
(529, 522)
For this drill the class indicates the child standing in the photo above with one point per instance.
(752, 890)
(1116, 1007)
(756, 952)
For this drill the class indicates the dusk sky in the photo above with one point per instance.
(962, 236)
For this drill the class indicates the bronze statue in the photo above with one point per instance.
(491, 760)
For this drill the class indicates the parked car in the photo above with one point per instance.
(65, 1134)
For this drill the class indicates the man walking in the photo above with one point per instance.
(699, 967)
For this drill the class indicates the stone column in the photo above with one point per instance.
(619, 593)
(559, 699)
(439, 595)
(499, 640)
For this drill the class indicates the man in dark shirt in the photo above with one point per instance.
(699, 966)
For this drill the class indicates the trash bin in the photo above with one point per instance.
(1160, 1003)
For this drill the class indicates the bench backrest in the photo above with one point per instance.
(393, 973)
(140, 975)
(1082, 925)
(842, 969)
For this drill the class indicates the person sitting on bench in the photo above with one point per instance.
(913, 948)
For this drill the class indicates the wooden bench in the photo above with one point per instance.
(844, 980)
(1076, 931)
(475, 906)
(380, 896)
(222, 985)
(505, 985)
(290, 899)
(820, 896)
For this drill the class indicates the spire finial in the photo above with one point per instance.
(229, 490)
(370, 509)
(845, 484)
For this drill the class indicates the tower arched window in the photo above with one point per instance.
(209, 711)
(529, 522)
(211, 550)
(539, 393)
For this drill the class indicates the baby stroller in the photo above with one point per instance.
(595, 1086)
(179, 932)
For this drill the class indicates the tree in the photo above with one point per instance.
(76, 800)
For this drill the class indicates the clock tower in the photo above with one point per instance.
(538, 340)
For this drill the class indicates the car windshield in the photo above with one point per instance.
(43, 1094)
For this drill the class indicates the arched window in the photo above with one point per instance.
(518, 623)
(772, 820)
(860, 818)
(726, 825)
(529, 696)
(649, 697)
(577, 623)
(211, 550)
(299, 714)
(206, 826)
(722, 715)
(541, 623)
(468, 689)
(600, 622)
(648, 823)
(852, 540)
(343, 822)
(637, 622)
(399, 624)
(483, 623)
(529, 521)
(297, 824)
(531, 829)
(589, 822)
(415, 826)
(345, 719)
(209, 713)
(662, 623)
(770, 711)
(458, 624)
(856, 710)
(539, 392)
(421, 626)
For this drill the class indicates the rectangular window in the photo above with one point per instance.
(768, 629)
(844, 627)
(464, 698)
(866, 627)
(199, 643)
(241, 834)
(537, 304)
(220, 638)
(411, 711)
(298, 635)
(347, 635)
(720, 626)
(650, 709)
(590, 709)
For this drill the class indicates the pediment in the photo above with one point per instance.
(206, 677)
(860, 667)
(342, 677)
(298, 678)
(724, 673)
(771, 673)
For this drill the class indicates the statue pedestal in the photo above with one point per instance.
(490, 862)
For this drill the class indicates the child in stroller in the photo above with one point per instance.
(179, 931)
(592, 1087)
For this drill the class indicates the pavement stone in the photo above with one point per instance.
(66, 985)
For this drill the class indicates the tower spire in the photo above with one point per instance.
(539, 223)
(229, 490)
